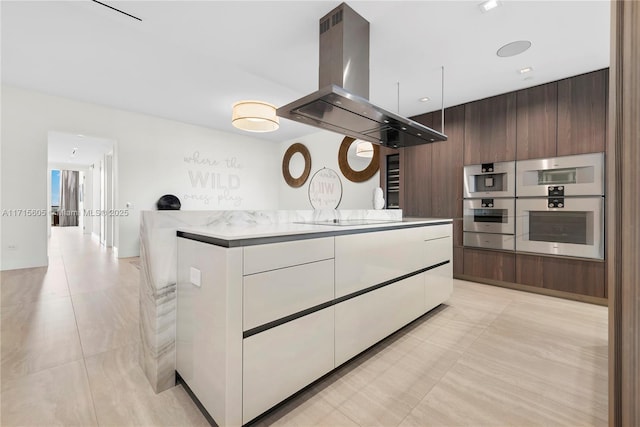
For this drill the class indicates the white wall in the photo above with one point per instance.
(88, 199)
(323, 147)
(95, 202)
(206, 169)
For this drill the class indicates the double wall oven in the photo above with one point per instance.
(560, 206)
(489, 207)
(551, 206)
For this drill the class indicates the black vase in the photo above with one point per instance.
(168, 202)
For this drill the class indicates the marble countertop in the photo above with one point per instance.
(257, 234)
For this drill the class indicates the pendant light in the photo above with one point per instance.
(255, 116)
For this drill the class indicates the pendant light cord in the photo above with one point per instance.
(442, 101)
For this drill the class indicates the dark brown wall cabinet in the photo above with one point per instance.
(458, 260)
(446, 170)
(562, 274)
(582, 113)
(537, 121)
(562, 118)
(417, 172)
(554, 119)
(434, 171)
(491, 265)
(490, 130)
(431, 174)
(417, 186)
(446, 165)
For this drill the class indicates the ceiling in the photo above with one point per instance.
(88, 149)
(190, 61)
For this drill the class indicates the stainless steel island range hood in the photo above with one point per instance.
(341, 105)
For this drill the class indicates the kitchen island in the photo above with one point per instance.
(265, 310)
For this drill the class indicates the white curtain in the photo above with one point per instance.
(69, 198)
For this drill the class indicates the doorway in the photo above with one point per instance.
(66, 205)
(81, 184)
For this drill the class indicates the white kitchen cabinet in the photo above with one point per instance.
(282, 360)
(438, 250)
(235, 352)
(272, 256)
(439, 280)
(365, 320)
(209, 327)
(437, 231)
(364, 260)
(438, 285)
(278, 293)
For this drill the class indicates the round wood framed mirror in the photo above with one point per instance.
(357, 175)
(296, 148)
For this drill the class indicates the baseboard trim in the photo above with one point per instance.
(535, 290)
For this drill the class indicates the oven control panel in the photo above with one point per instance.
(487, 167)
(486, 203)
(556, 190)
(556, 202)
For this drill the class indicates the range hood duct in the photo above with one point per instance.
(341, 105)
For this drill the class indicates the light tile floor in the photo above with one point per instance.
(489, 357)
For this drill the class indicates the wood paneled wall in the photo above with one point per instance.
(581, 121)
(432, 177)
(553, 119)
(537, 123)
(623, 213)
(490, 129)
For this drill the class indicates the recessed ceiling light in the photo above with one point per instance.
(80, 135)
(424, 99)
(525, 70)
(488, 5)
(513, 48)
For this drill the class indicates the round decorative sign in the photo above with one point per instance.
(286, 172)
(346, 169)
(325, 189)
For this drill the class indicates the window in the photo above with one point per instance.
(55, 189)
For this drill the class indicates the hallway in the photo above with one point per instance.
(70, 341)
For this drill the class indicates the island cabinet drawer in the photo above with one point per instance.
(367, 259)
(438, 250)
(286, 254)
(280, 361)
(275, 294)
(365, 320)
(437, 231)
(438, 285)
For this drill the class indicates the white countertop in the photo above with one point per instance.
(252, 234)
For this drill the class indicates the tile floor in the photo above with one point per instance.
(489, 357)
